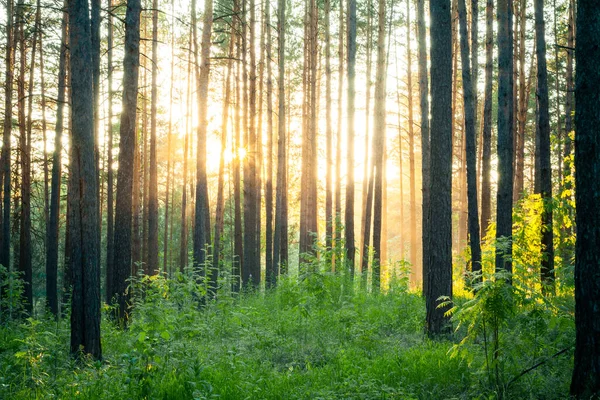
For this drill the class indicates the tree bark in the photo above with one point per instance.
(425, 139)
(586, 373)
(543, 181)
(486, 164)
(152, 249)
(280, 237)
(439, 278)
(85, 302)
(202, 213)
(123, 211)
(350, 248)
(379, 145)
(505, 135)
(53, 228)
(471, 144)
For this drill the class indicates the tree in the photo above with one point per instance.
(505, 135)
(411, 143)
(308, 196)
(52, 232)
(487, 119)
(586, 374)
(329, 218)
(425, 139)
(470, 136)
(123, 212)
(270, 273)
(83, 196)
(152, 248)
(543, 170)
(5, 156)
(351, 76)
(379, 144)
(202, 213)
(439, 277)
(280, 237)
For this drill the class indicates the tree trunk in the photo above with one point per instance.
(379, 145)
(543, 181)
(471, 144)
(486, 164)
(338, 144)
(350, 248)
(586, 374)
(425, 139)
(85, 302)
(270, 273)
(411, 142)
(505, 135)
(168, 220)
(183, 245)
(280, 236)
(522, 109)
(439, 278)
(6, 146)
(220, 208)
(123, 211)
(329, 218)
(25, 249)
(152, 249)
(53, 228)
(202, 213)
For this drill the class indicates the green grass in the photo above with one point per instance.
(302, 341)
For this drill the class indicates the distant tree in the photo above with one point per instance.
(83, 197)
(586, 374)
(439, 277)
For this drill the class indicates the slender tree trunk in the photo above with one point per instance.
(425, 139)
(329, 218)
(338, 143)
(367, 189)
(183, 248)
(85, 302)
(470, 136)
(152, 249)
(280, 238)
(238, 239)
(543, 181)
(53, 228)
(25, 125)
(202, 213)
(439, 277)
(350, 248)
(505, 134)
(586, 373)
(123, 211)
(411, 142)
(379, 144)
(271, 277)
(168, 220)
(522, 109)
(5, 158)
(220, 208)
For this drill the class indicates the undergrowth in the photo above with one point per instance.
(306, 339)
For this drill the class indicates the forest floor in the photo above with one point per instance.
(305, 340)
